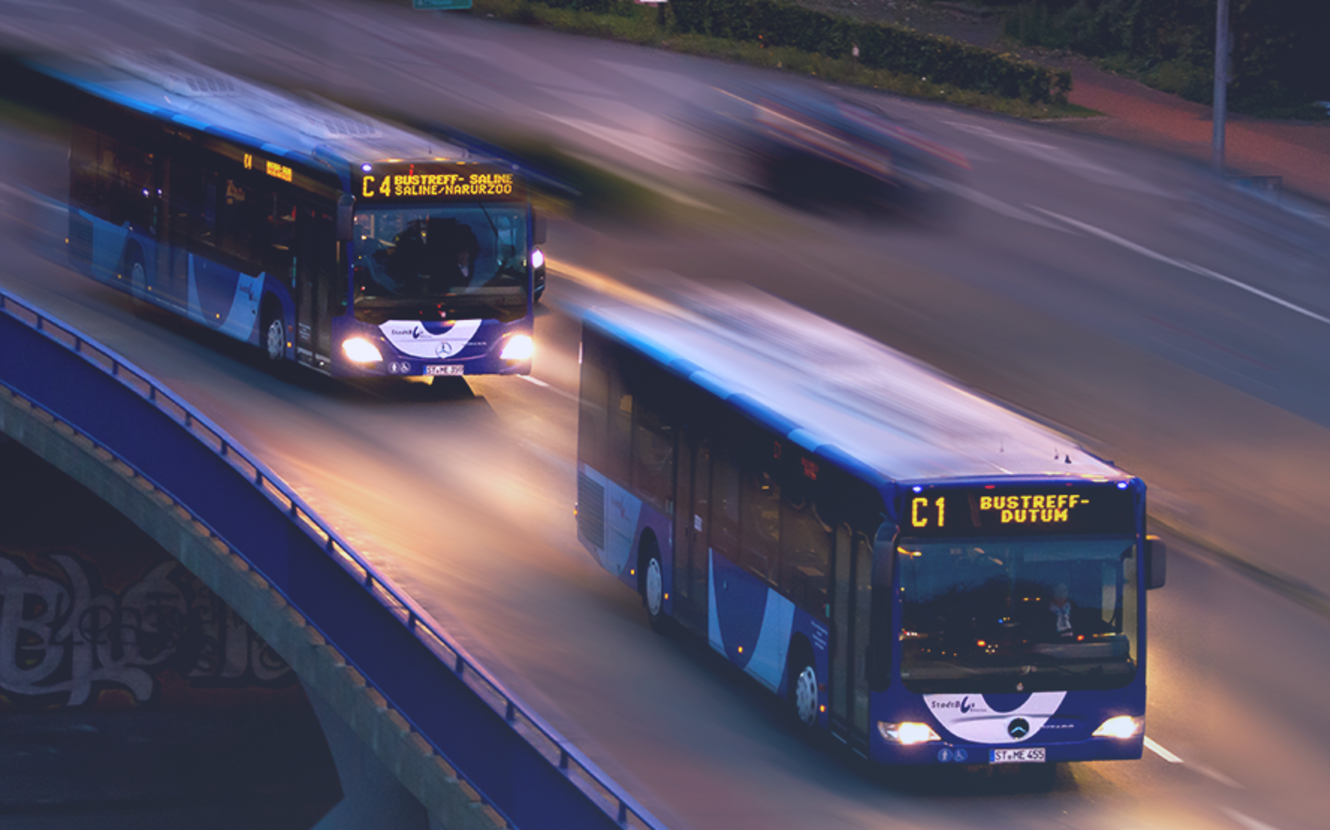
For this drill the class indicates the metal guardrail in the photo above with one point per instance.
(617, 807)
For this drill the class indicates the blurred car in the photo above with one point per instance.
(808, 147)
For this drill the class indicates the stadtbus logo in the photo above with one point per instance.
(963, 704)
(1018, 728)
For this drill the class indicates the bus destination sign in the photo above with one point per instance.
(436, 182)
(1017, 511)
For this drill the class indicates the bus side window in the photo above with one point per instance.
(760, 512)
(620, 437)
(124, 183)
(805, 553)
(280, 233)
(724, 538)
(84, 183)
(594, 414)
(207, 228)
(232, 224)
(653, 453)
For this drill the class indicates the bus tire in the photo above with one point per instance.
(803, 686)
(272, 333)
(653, 585)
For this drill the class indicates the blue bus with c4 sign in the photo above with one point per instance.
(340, 242)
(916, 570)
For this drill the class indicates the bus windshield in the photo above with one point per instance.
(429, 262)
(1017, 615)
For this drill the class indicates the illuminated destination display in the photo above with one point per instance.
(436, 182)
(272, 168)
(982, 511)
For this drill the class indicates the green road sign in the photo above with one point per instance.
(432, 5)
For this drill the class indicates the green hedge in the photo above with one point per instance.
(941, 60)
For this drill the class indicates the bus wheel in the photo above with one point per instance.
(273, 334)
(803, 691)
(653, 589)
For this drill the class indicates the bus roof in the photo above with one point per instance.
(835, 391)
(176, 89)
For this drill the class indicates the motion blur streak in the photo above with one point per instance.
(1033, 315)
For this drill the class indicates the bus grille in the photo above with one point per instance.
(591, 510)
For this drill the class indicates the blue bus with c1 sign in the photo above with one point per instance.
(342, 243)
(927, 576)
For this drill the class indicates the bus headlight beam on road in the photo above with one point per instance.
(360, 350)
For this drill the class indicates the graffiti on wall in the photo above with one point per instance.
(164, 638)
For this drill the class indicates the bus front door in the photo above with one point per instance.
(851, 617)
(690, 532)
(316, 248)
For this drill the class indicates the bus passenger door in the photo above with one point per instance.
(691, 515)
(171, 214)
(851, 604)
(316, 253)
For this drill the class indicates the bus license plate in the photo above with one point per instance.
(449, 369)
(1031, 755)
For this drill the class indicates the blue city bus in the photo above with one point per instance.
(921, 573)
(345, 244)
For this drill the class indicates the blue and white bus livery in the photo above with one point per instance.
(923, 574)
(349, 245)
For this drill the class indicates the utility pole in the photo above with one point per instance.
(1221, 84)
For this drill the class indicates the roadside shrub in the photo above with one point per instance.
(940, 60)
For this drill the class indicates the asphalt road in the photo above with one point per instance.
(1172, 324)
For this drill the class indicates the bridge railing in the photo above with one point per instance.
(538, 780)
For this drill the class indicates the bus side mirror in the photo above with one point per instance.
(344, 224)
(1156, 562)
(537, 227)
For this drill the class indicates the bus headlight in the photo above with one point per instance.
(360, 350)
(1122, 726)
(519, 347)
(907, 733)
(537, 260)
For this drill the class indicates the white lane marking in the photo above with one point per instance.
(1199, 270)
(673, 84)
(1065, 159)
(641, 145)
(996, 205)
(1246, 821)
(542, 384)
(1216, 775)
(22, 193)
(1154, 747)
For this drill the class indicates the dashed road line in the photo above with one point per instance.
(1064, 158)
(1199, 270)
(552, 388)
(1154, 747)
(1246, 821)
(1158, 749)
(1216, 775)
